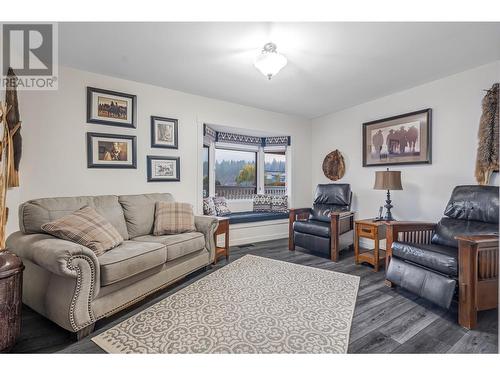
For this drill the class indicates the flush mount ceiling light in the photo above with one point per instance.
(270, 62)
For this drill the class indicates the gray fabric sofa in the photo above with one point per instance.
(68, 284)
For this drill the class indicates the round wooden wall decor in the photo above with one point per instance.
(334, 166)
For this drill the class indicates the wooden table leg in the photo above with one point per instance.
(375, 253)
(356, 244)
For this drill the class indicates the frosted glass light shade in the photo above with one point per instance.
(270, 63)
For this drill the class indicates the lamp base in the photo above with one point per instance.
(388, 206)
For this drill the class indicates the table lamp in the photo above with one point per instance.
(388, 180)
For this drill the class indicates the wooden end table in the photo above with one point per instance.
(374, 230)
(223, 228)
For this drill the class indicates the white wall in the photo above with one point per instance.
(54, 144)
(456, 106)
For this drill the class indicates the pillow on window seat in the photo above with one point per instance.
(279, 203)
(262, 203)
(221, 206)
(209, 207)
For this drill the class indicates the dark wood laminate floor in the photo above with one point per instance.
(385, 320)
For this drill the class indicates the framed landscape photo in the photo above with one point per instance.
(111, 151)
(163, 168)
(164, 132)
(403, 139)
(113, 108)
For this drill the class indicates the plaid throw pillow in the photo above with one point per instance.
(173, 218)
(262, 203)
(209, 207)
(279, 203)
(221, 206)
(87, 228)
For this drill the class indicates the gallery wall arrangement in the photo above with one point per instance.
(106, 150)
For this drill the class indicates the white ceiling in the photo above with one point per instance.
(331, 66)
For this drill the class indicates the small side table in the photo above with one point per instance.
(11, 286)
(223, 228)
(374, 230)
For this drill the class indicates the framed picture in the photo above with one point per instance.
(113, 108)
(403, 139)
(111, 151)
(164, 132)
(163, 168)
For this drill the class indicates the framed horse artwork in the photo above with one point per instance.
(402, 139)
(112, 108)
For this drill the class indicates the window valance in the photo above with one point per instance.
(226, 137)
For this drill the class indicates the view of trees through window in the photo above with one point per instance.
(235, 168)
(274, 169)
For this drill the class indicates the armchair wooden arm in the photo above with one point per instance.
(477, 277)
(407, 231)
(294, 215)
(340, 223)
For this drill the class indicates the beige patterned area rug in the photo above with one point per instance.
(252, 305)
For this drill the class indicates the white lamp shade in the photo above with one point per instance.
(270, 63)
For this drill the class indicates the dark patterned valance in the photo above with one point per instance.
(209, 133)
(277, 141)
(225, 137)
(238, 138)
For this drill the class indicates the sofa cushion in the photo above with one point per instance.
(442, 259)
(177, 245)
(335, 194)
(314, 227)
(253, 217)
(34, 213)
(129, 259)
(139, 211)
(321, 212)
(447, 229)
(474, 202)
(85, 227)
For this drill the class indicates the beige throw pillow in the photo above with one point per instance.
(173, 218)
(86, 227)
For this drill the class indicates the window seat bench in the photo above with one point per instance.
(251, 216)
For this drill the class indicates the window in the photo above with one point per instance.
(275, 173)
(235, 173)
(206, 171)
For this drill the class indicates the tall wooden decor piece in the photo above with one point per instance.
(11, 266)
(487, 150)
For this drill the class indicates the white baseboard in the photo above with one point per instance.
(248, 233)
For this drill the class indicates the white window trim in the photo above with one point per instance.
(260, 150)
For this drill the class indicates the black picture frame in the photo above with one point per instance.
(154, 143)
(427, 153)
(151, 178)
(91, 163)
(92, 119)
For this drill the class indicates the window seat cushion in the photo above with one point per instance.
(250, 216)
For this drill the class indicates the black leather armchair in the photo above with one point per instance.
(318, 228)
(456, 257)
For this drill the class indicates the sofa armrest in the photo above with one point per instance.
(207, 225)
(74, 275)
(57, 256)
